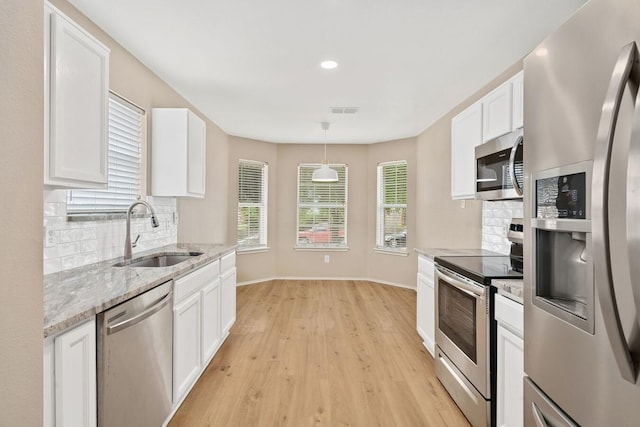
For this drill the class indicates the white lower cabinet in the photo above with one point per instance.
(186, 345)
(201, 310)
(425, 303)
(210, 298)
(510, 353)
(70, 378)
(227, 292)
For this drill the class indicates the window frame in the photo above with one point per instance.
(381, 206)
(263, 206)
(323, 246)
(114, 210)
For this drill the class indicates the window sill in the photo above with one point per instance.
(255, 250)
(320, 249)
(389, 251)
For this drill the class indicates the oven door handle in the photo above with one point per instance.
(474, 291)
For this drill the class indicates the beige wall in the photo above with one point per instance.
(445, 223)
(392, 268)
(306, 263)
(21, 177)
(201, 220)
(360, 261)
(256, 265)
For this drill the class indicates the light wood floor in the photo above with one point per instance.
(330, 353)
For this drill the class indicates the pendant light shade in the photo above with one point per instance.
(324, 173)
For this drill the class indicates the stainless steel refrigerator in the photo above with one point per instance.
(582, 200)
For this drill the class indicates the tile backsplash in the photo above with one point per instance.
(496, 217)
(71, 244)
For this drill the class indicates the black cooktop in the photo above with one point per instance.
(481, 269)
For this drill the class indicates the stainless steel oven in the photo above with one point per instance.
(463, 343)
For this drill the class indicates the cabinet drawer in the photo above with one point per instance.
(193, 282)
(510, 314)
(426, 267)
(228, 262)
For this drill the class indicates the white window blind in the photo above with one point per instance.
(252, 204)
(125, 138)
(322, 209)
(392, 205)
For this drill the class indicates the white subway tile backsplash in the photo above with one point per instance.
(496, 217)
(80, 243)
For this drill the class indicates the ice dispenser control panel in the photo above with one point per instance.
(561, 196)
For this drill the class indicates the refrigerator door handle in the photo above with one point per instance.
(512, 166)
(537, 416)
(600, 211)
(633, 204)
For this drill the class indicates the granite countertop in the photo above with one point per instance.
(73, 296)
(434, 252)
(511, 288)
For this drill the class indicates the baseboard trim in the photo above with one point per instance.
(368, 279)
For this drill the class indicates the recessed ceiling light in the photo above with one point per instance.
(329, 65)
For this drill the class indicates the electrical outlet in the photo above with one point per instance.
(463, 203)
(175, 218)
(167, 223)
(326, 258)
(49, 237)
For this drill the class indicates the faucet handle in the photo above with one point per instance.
(135, 242)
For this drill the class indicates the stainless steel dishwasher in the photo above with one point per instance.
(135, 359)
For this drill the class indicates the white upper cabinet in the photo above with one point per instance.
(498, 113)
(497, 110)
(76, 105)
(178, 153)
(466, 134)
(518, 100)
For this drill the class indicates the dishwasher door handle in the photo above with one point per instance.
(139, 317)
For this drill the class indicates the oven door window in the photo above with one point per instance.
(457, 318)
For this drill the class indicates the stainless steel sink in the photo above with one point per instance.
(158, 260)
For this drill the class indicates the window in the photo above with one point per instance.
(125, 139)
(252, 204)
(392, 206)
(322, 209)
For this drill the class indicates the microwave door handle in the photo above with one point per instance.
(600, 212)
(512, 166)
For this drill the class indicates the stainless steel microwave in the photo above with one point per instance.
(499, 168)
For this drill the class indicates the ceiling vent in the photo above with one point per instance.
(344, 110)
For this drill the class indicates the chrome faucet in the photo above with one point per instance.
(127, 239)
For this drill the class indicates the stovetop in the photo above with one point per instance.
(481, 269)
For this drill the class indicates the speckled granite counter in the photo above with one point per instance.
(510, 288)
(73, 296)
(434, 252)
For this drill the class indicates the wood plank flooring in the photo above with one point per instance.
(326, 353)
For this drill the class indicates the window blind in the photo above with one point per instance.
(392, 205)
(322, 209)
(125, 130)
(252, 204)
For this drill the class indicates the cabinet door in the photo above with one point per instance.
(75, 377)
(466, 134)
(196, 156)
(518, 100)
(186, 345)
(228, 300)
(496, 110)
(76, 150)
(210, 319)
(426, 312)
(509, 409)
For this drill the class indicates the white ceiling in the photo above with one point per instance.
(252, 66)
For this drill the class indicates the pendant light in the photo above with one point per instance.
(324, 173)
